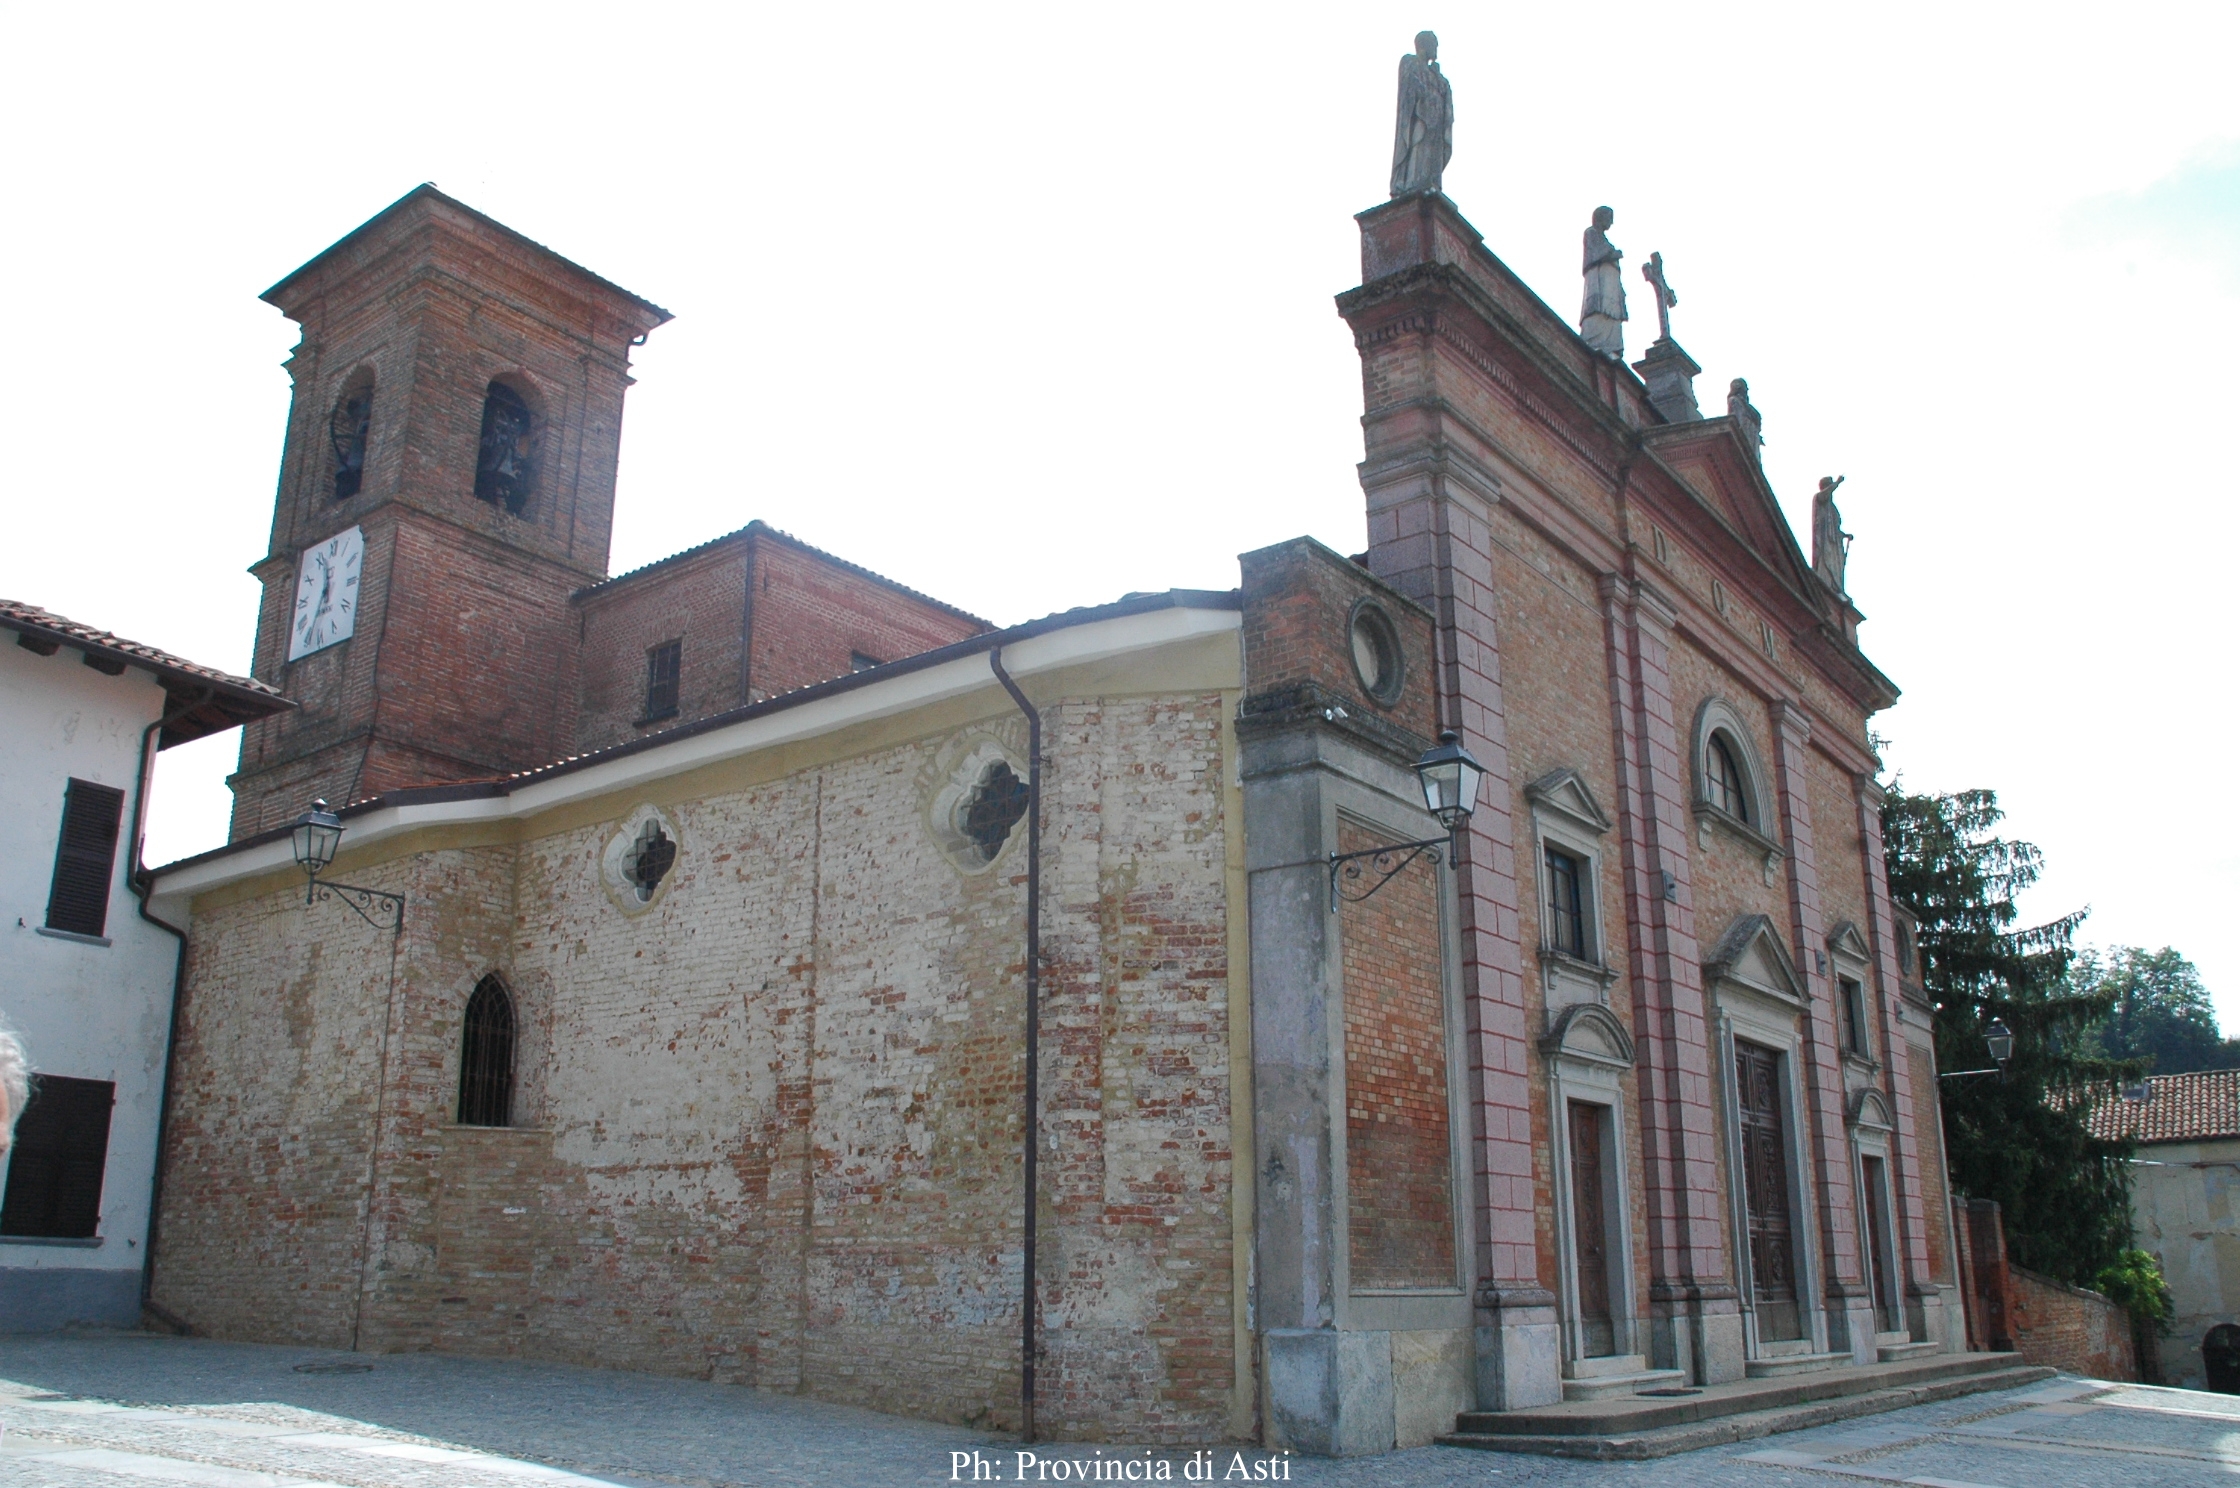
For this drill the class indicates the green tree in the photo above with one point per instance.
(2162, 1015)
(2019, 1138)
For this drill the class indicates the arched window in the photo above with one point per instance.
(505, 465)
(1729, 787)
(346, 433)
(486, 1057)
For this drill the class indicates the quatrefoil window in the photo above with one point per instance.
(650, 857)
(987, 815)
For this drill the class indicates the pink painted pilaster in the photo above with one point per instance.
(1823, 1070)
(1679, 1135)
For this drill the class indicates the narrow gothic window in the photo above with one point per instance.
(649, 860)
(346, 431)
(993, 809)
(505, 469)
(1728, 791)
(486, 1057)
(1567, 920)
(664, 667)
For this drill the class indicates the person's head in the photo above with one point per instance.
(1603, 217)
(1738, 389)
(1427, 45)
(15, 1083)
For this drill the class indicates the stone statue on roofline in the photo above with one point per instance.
(1423, 134)
(1602, 310)
(1746, 417)
(1831, 545)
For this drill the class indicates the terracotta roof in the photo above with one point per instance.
(211, 700)
(2178, 1108)
(759, 528)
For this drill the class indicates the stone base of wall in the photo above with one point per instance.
(2069, 1328)
(42, 1299)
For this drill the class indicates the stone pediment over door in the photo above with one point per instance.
(1750, 955)
(1846, 943)
(1590, 1032)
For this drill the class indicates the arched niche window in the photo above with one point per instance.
(347, 430)
(505, 465)
(1729, 788)
(486, 1057)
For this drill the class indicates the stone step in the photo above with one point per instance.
(1782, 1365)
(1604, 1386)
(1637, 1413)
(1642, 1442)
(1893, 1352)
(1602, 1364)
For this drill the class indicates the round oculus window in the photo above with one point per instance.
(1376, 653)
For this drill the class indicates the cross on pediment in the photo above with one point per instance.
(1653, 271)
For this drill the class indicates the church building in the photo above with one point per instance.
(668, 1003)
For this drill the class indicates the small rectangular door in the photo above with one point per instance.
(1886, 1316)
(1590, 1227)
(1765, 1183)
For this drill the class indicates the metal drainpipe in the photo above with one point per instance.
(1034, 1035)
(138, 881)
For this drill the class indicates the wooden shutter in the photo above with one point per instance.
(61, 1148)
(84, 858)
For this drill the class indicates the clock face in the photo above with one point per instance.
(326, 594)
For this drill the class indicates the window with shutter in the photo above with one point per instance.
(664, 671)
(84, 857)
(55, 1167)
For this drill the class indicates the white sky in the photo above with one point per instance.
(1028, 306)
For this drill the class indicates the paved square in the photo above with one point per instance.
(132, 1410)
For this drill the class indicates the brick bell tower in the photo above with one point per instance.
(446, 484)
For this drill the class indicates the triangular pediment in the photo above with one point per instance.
(1711, 459)
(1751, 955)
(1567, 794)
(1846, 941)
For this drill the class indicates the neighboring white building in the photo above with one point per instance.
(2185, 1212)
(85, 980)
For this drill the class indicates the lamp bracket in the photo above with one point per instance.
(383, 911)
(1386, 862)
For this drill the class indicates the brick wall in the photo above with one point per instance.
(801, 616)
(699, 600)
(1300, 596)
(1399, 1149)
(770, 1127)
(2069, 1328)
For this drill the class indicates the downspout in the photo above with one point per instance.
(140, 881)
(1032, 1130)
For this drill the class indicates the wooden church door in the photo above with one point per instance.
(1765, 1171)
(1590, 1228)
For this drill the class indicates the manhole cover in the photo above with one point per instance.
(1670, 1392)
(333, 1366)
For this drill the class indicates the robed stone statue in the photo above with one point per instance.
(1602, 309)
(1423, 135)
(1830, 543)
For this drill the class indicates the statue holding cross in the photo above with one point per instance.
(1653, 271)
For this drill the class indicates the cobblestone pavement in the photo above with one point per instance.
(137, 1411)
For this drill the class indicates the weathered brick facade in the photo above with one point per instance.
(760, 1135)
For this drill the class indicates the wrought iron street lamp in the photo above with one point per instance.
(1999, 1040)
(1450, 778)
(318, 833)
